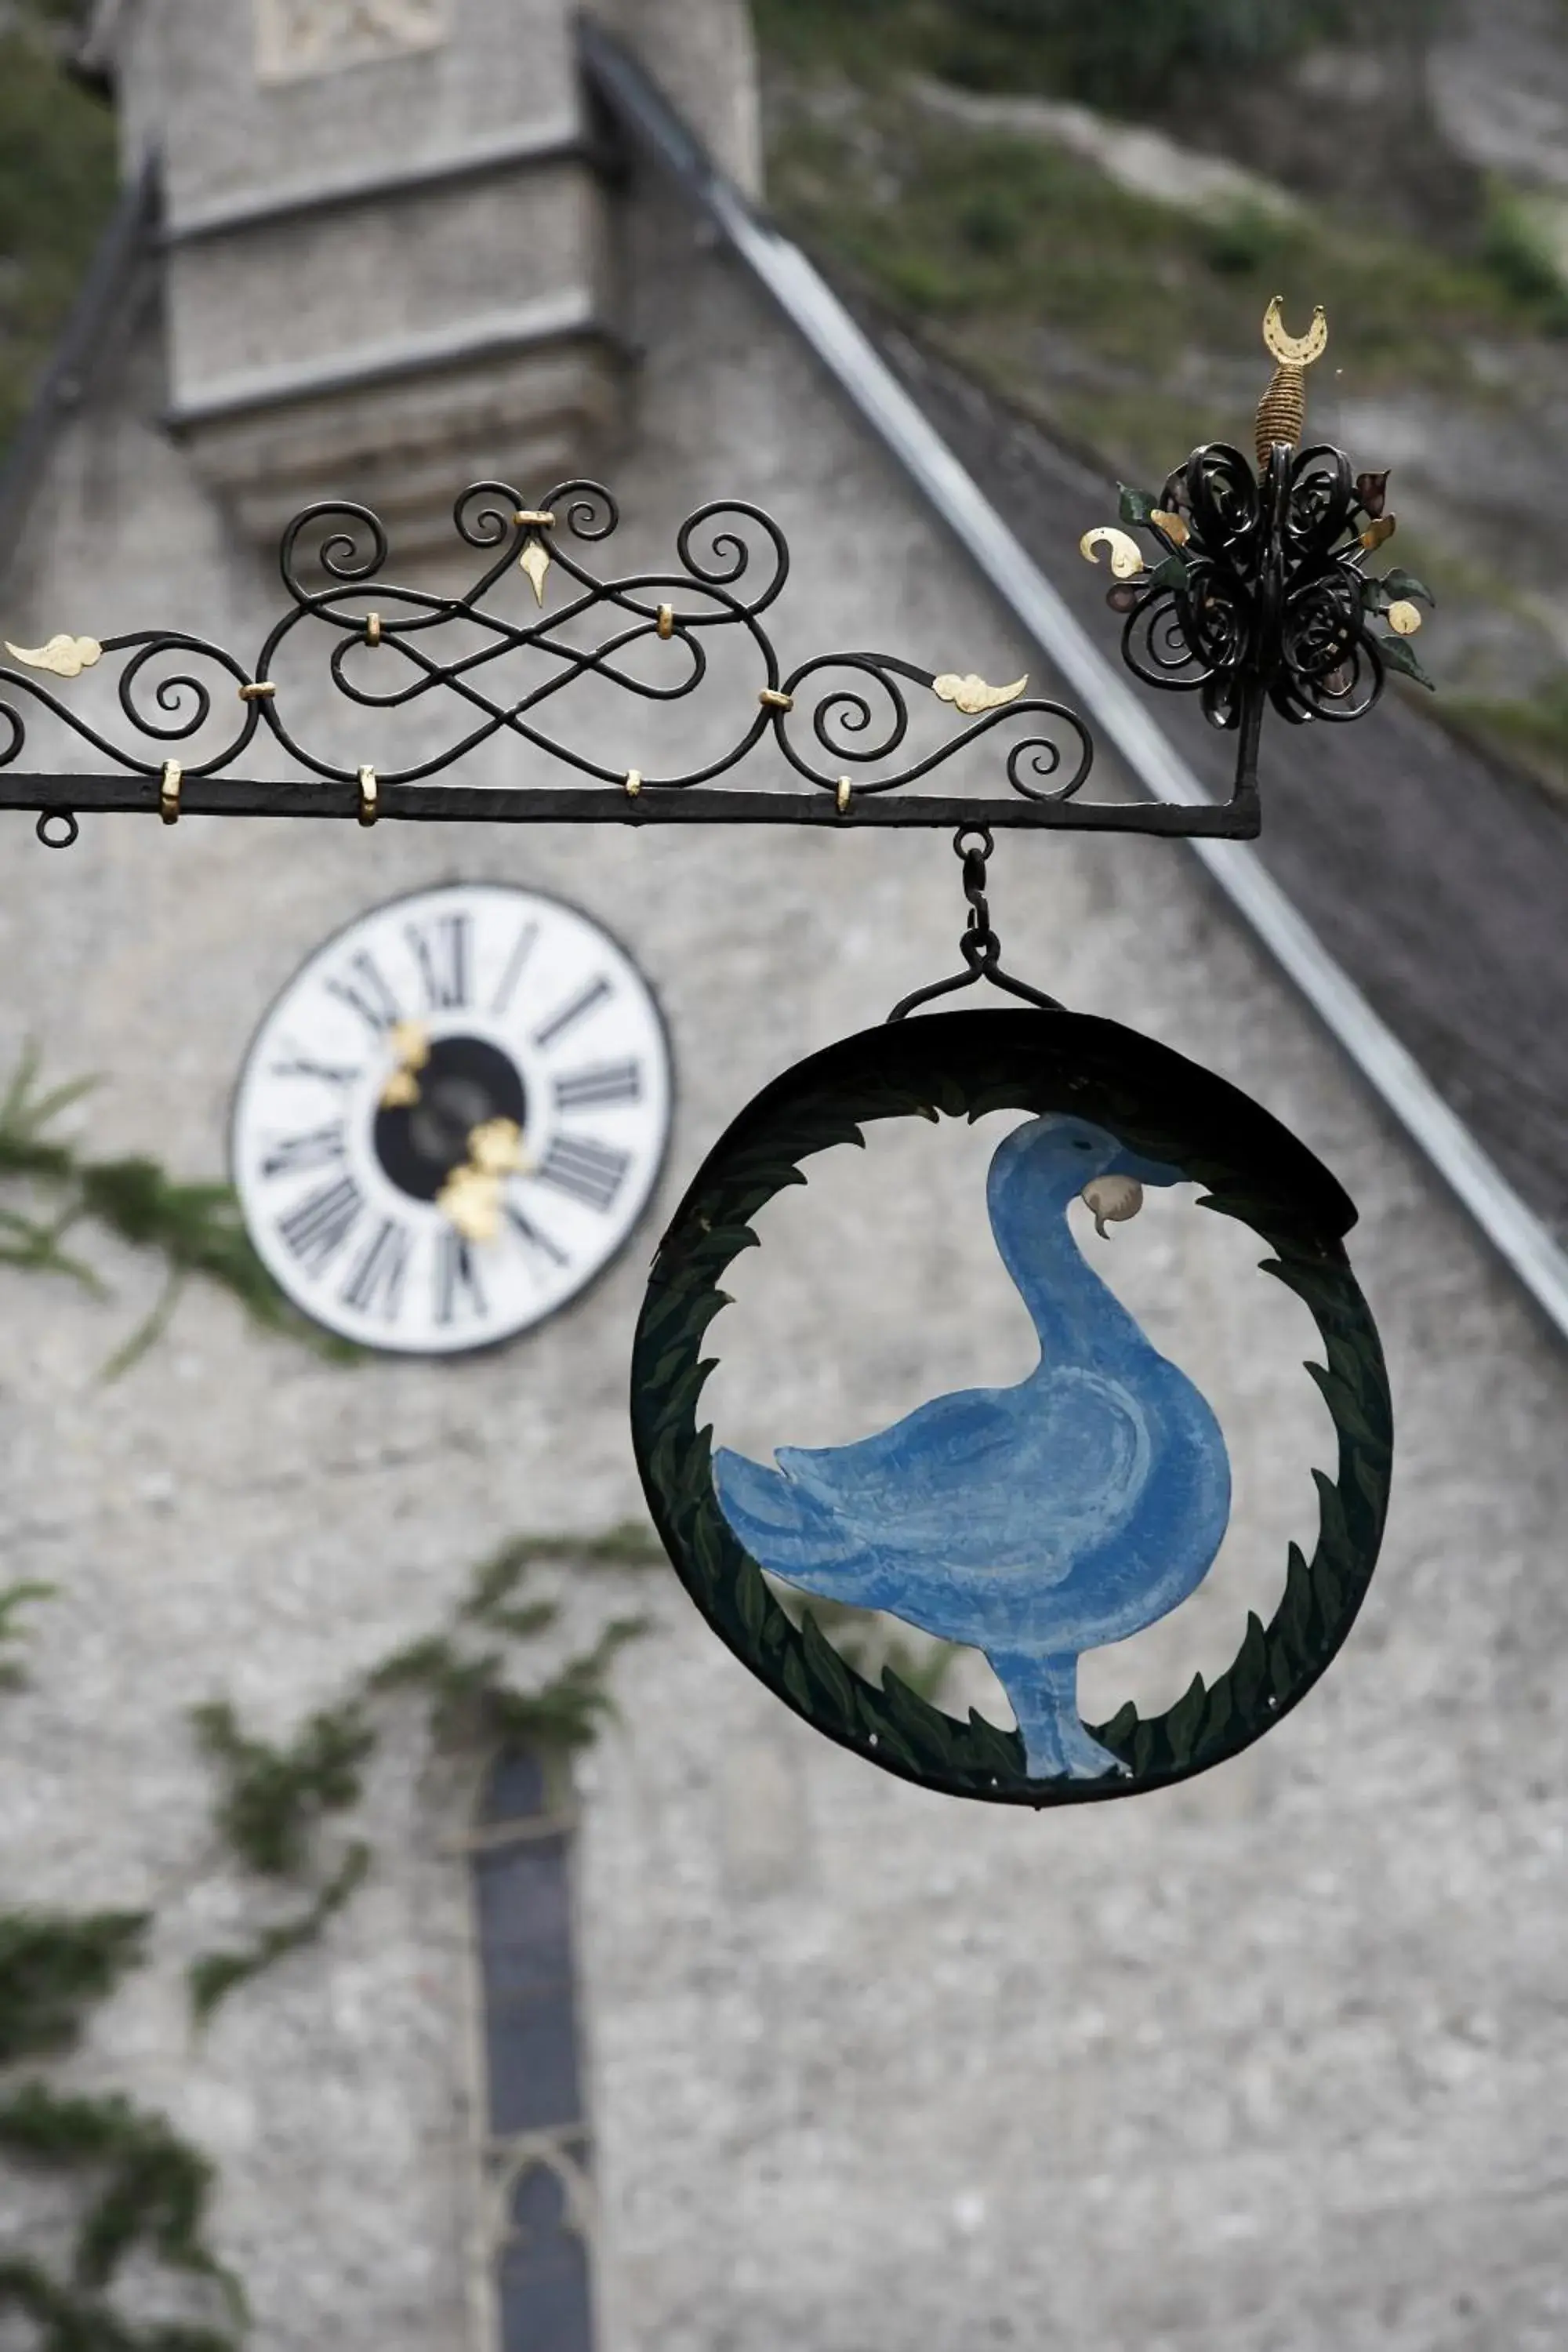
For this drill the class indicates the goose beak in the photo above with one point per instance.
(1112, 1200)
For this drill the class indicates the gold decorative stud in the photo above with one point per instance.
(372, 628)
(772, 699)
(63, 657)
(169, 792)
(634, 782)
(261, 690)
(534, 518)
(369, 798)
(842, 795)
(971, 695)
(667, 620)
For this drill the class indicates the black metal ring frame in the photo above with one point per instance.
(839, 722)
(963, 1064)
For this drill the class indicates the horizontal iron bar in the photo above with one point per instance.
(602, 804)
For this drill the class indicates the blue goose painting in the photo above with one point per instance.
(1034, 1522)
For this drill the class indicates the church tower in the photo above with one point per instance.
(391, 255)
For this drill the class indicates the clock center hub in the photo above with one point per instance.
(465, 1082)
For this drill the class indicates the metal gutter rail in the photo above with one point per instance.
(856, 365)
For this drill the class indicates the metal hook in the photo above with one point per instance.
(980, 946)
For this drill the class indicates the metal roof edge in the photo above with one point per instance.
(798, 290)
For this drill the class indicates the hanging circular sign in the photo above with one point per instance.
(452, 1118)
(1037, 1522)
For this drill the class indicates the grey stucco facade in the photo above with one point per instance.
(1278, 2059)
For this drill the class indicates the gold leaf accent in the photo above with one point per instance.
(470, 1198)
(410, 1043)
(1404, 618)
(971, 695)
(471, 1201)
(63, 657)
(1175, 526)
(1378, 533)
(1126, 555)
(535, 560)
(1294, 350)
(495, 1148)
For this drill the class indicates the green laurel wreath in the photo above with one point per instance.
(963, 1064)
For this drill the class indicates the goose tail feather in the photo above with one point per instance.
(783, 1527)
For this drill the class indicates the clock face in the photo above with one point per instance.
(451, 1118)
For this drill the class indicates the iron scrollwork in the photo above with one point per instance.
(470, 667)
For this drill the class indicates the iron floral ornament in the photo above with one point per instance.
(1039, 1521)
(1257, 594)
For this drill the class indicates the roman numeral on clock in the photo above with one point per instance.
(317, 1228)
(599, 1082)
(443, 951)
(576, 1008)
(591, 1171)
(317, 1149)
(331, 1074)
(363, 987)
(457, 1284)
(375, 1285)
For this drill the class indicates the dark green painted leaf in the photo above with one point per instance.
(1184, 1719)
(1249, 1673)
(827, 1667)
(751, 1595)
(1135, 506)
(1402, 584)
(794, 1682)
(1400, 654)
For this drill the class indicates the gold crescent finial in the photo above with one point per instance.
(1282, 411)
(1294, 350)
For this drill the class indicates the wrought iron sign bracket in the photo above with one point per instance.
(480, 668)
(1256, 597)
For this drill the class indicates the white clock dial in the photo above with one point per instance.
(452, 1119)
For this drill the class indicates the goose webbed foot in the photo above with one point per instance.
(1043, 1695)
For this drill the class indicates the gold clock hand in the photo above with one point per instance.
(410, 1043)
(471, 1199)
